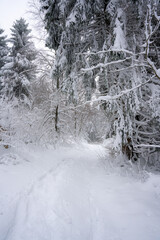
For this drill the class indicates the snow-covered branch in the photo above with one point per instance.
(149, 33)
(111, 50)
(148, 145)
(124, 92)
(104, 65)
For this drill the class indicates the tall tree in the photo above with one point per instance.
(3, 48)
(67, 23)
(20, 70)
(97, 43)
(3, 52)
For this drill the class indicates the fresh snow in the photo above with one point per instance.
(78, 192)
(158, 72)
(120, 40)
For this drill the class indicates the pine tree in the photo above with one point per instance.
(20, 70)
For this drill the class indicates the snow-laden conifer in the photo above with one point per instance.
(19, 72)
(3, 52)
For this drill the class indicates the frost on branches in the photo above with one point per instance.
(116, 43)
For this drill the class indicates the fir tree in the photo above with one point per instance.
(3, 52)
(20, 70)
(3, 48)
(114, 43)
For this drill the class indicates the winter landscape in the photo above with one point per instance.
(80, 121)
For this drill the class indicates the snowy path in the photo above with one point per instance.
(69, 195)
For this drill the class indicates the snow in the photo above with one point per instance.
(158, 72)
(120, 40)
(111, 7)
(156, 15)
(104, 65)
(8, 66)
(149, 145)
(114, 97)
(76, 192)
(71, 19)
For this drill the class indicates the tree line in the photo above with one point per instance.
(103, 80)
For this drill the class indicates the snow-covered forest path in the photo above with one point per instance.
(73, 194)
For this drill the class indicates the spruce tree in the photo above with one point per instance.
(20, 70)
(3, 53)
(109, 42)
(75, 27)
(3, 48)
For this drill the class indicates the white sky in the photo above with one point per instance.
(11, 10)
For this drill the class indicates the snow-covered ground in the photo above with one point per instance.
(74, 193)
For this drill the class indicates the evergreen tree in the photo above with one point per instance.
(20, 69)
(3, 48)
(66, 23)
(75, 27)
(113, 43)
(3, 52)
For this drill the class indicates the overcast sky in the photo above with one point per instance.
(11, 10)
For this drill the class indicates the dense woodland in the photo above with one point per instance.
(99, 78)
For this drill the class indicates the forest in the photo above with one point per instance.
(94, 87)
(99, 78)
